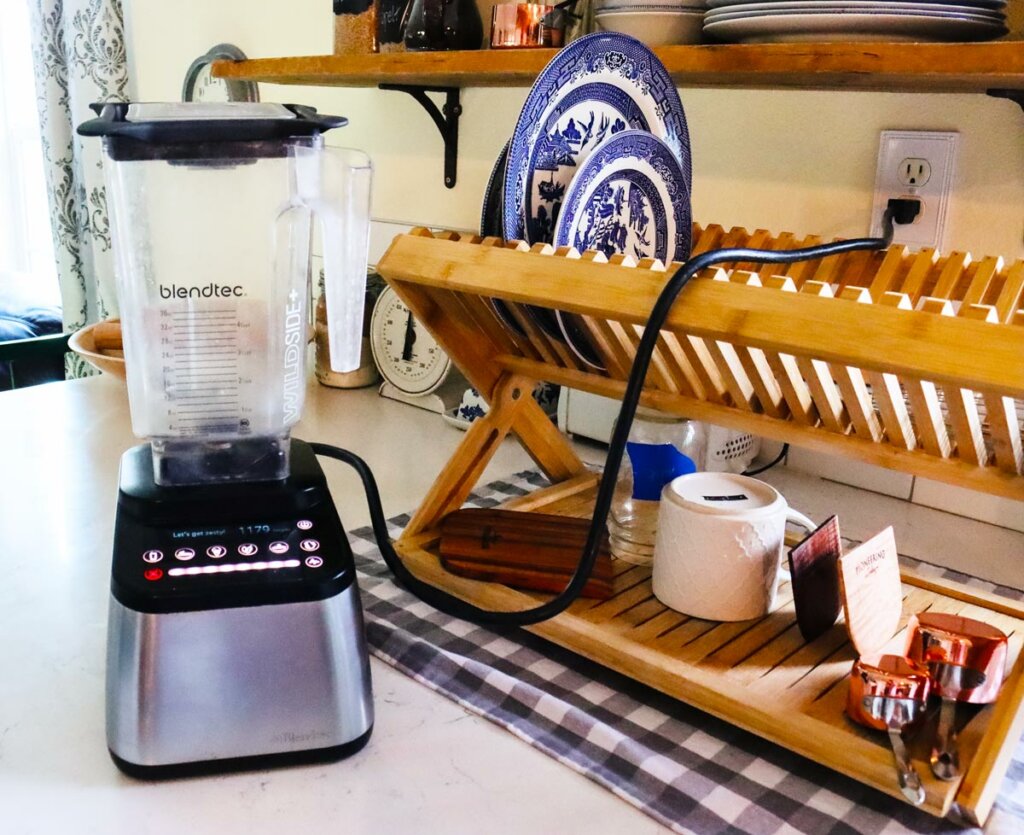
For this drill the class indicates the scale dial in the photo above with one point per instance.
(406, 354)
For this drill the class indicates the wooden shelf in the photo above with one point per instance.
(923, 67)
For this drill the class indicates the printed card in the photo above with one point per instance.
(814, 569)
(872, 595)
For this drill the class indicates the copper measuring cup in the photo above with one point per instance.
(889, 693)
(966, 659)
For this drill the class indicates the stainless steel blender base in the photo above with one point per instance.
(237, 687)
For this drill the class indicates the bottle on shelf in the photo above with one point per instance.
(443, 25)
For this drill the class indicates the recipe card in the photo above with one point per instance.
(872, 594)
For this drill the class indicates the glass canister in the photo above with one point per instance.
(660, 447)
(366, 374)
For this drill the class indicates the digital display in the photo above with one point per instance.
(279, 527)
(237, 530)
(202, 533)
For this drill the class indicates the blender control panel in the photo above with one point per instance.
(235, 549)
(255, 561)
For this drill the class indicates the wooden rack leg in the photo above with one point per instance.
(538, 435)
(465, 467)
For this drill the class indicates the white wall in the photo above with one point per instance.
(783, 160)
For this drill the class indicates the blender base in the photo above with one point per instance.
(235, 636)
(259, 762)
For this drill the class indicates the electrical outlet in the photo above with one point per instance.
(916, 164)
(914, 172)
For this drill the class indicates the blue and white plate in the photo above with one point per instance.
(597, 86)
(630, 196)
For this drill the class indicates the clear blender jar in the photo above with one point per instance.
(212, 208)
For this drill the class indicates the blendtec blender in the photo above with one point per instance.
(235, 632)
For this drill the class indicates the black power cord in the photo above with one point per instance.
(452, 605)
(777, 459)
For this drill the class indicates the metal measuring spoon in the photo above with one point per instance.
(898, 713)
(951, 679)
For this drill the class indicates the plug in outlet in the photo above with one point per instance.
(920, 165)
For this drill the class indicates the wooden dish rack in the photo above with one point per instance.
(910, 361)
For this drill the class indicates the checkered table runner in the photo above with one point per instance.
(688, 770)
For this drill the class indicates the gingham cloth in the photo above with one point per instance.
(688, 770)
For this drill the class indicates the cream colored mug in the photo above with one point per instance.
(718, 549)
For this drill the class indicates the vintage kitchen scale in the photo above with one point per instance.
(415, 369)
(910, 361)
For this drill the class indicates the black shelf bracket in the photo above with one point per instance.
(1016, 96)
(446, 118)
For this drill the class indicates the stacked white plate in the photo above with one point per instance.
(655, 22)
(777, 21)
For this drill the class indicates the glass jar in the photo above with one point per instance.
(366, 374)
(660, 447)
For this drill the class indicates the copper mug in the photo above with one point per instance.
(889, 693)
(886, 676)
(934, 637)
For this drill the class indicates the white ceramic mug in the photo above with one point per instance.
(718, 550)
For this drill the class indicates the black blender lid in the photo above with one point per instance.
(195, 122)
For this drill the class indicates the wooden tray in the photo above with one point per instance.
(909, 361)
(761, 675)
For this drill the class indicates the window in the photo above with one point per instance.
(27, 266)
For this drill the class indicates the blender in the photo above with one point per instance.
(235, 635)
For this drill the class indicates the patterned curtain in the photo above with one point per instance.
(79, 56)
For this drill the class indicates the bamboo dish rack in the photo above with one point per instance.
(910, 361)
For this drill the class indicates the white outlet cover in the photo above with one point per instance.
(939, 149)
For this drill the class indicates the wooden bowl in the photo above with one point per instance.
(107, 359)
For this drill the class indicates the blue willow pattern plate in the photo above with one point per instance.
(630, 196)
(597, 86)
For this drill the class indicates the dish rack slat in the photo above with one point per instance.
(912, 361)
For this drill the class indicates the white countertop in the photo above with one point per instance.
(429, 766)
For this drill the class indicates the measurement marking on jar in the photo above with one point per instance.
(207, 419)
(202, 374)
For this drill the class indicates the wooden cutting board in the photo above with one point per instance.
(524, 550)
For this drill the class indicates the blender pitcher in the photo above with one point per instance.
(211, 208)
